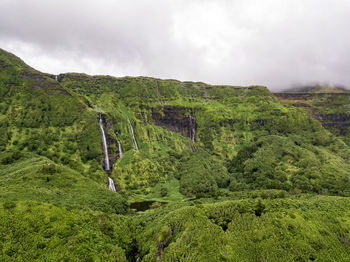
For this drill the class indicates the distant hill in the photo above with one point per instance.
(317, 89)
(327, 104)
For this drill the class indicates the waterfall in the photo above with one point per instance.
(133, 135)
(111, 184)
(56, 77)
(104, 141)
(193, 128)
(120, 149)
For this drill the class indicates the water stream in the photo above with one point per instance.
(193, 128)
(111, 185)
(105, 149)
(133, 135)
(120, 149)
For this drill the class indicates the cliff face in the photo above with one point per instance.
(176, 119)
(331, 109)
(264, 142)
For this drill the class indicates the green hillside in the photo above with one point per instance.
(202, 172)
(254, 140)
(38, 115)
(33, 177)
(331, 109)
(50, 142)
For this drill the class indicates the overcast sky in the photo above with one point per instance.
(277, 43)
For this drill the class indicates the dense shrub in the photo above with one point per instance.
(284, 163)
(201, 175)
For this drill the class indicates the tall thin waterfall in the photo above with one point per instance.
(56, 77)
(120, 149)
(111, 185)
(193, 128)
(133, 135)
(104, 141)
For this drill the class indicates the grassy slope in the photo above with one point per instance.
(38, 115)
(33, 177)
(44, 123)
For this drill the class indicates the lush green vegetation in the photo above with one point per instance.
(278, 229)
(308, 229)
(329, 105)
(32, 231)
(38, 115)
(24, 176)
(290, 163)
(235, 175)
(261, 142)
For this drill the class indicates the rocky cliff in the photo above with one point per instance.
(331, 109)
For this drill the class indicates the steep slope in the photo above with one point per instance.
(263, 143)
(25, 176)
(38, 115)
(331, 109)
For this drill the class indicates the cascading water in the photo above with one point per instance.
(56, 77)
(120, 149)
(133, 135)
(193, 128)
(104, 141)
(111, 185)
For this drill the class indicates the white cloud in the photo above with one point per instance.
(272, 42)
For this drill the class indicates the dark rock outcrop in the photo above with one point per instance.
(58, 78)
(176, 119)
(315, 103)
(41, 81)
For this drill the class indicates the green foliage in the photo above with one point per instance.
(201, 174)
(265, 143)
(10, 157)
(39, 115)
(251, 230)
(32, 231)
(287, 163)
(163, 192)
(36, 178)
(157, 193)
